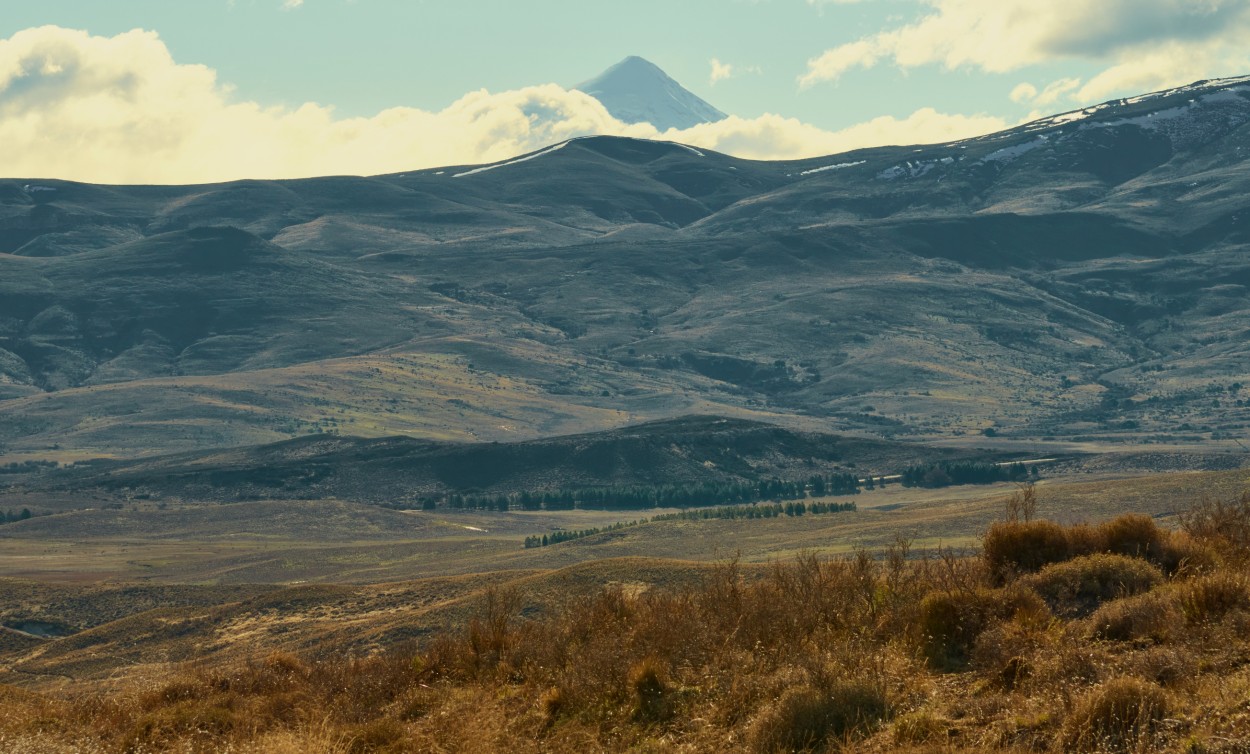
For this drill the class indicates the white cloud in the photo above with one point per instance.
(1182, 38)
(722, 71)
(1025, 92)
(291, 4)
(121, 110)
(1052, 93)
(775, 137)
(1167, 65)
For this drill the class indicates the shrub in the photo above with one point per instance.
(1209, 598)
(805, 719)
(1133, 534)
(650, 690)
(1084, 539)
(950, 622)
(1223, 524)
(1118, 716)
(1014, 547)
(183, 720)
(382, 735)
(177, 690)
(1146, 616)
(1014, 671)
(1004, 653)
(1077, 587)
(919, 728)
(551, 704)
(1182, 554)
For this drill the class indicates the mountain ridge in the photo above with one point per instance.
(1081, 278)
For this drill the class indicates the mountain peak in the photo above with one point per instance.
(636, 90)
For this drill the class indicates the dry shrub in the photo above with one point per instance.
(951, 622)
(806, 718)
(648, 682)
(1077, 587)
(284, 708)
(1139, 536)
(1118, 716)
(1003, 650)
(322, 738)
(1209, 598)
(1183, 555)
(1084, 539)
(1151, 616)
(177, 690)
(1014, 547)
(1132, 534)
(1223, 524)
(1002, 654)
(552, 703)
(383, 736)
(284, 664)
(1169, 665)
(490, 635)
(920, 728)
(187, 720)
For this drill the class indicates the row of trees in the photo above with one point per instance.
(702, 494)
(9, 516)
(774, 510)
(564, 535)
(641, 497)
(947, 473)
(27, 466)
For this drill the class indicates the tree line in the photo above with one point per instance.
(948, 473)
(641, 496)
(725, 493)
(730, 512)
(26, 467)
(9, 516)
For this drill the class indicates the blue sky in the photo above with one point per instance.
(805, 77)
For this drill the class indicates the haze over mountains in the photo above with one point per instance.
(1080, 277)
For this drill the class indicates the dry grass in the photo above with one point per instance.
(1122, 715)
(1106, 643)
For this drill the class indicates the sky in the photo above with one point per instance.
(185, 91)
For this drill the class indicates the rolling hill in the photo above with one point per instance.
(1082, 277)
(402, 470)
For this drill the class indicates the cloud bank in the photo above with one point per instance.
(122, 110)
(1147, 44)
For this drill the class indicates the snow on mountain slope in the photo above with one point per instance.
(637, 91)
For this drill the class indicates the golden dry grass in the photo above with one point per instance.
(1102, 651)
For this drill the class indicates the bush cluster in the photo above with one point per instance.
(1088, 638)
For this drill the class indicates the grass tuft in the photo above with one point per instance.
(807, 718)
(1077, 587)
(1120, 716)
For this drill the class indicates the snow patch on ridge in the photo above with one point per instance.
(911, 169)
(526, 158)
(1007, 154)
(839, 166)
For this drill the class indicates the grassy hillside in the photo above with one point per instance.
(401, 470)
(1081, 277)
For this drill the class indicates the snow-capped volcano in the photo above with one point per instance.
(636, 91)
